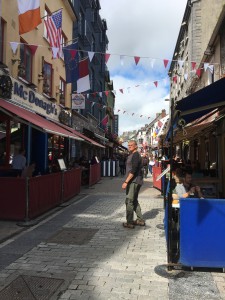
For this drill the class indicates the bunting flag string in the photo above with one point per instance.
(71, 55)
(118, 110)
(14, 46)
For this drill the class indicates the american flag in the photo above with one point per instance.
(53, 25)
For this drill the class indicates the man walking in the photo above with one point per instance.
(132, 184)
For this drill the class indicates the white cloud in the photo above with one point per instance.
(145, 28)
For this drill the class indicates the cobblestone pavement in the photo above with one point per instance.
(83, 252)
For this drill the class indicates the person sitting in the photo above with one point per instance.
(186, 189)
(19, 162)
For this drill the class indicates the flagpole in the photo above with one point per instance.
(52, 12)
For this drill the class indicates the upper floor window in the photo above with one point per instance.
(82, 23)
(48, 76)
(62, 91)
(2, 26)
(25, 66)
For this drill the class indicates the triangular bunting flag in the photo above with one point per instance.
(55, 51)
(91, 55)
(118, 110)
(211, 68)
(175, 79)
(165, 61)
(198, 72)
(121, 90)
(186, 76)
(14, 46)
(106, 93)
(141, 116)
(132, 114)
(193, 64)
(33, 49)
(152, 62)
(136, 59)
(124, 112)
(122, 60)
(107, 56)
(206, 66)
(156, 83)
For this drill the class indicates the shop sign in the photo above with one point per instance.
(78, 101)
(116, 124)
(28, 98)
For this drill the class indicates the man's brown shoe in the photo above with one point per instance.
(127, 225)
(139, 222)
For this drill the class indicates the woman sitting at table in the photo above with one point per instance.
(186, 189)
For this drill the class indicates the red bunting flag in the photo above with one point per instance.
(165, 61)
(156, 83)
(198, 72)
(33, 49)
(193, 64)
(106, 93)
(107, 56)
(121, 90)
(175, 79)
(136, 58)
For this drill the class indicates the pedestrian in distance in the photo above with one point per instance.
(132, 185)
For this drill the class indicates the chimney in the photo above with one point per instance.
(163, 114)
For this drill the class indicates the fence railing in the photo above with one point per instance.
(95, 174)
(24, 198)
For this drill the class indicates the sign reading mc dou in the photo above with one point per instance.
(29, 95)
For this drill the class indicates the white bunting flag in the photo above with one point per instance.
(55, 51)
(91, 55)
(122, 60)
(14, 46)
(211, 68)
(152, 62)
(186, 76)
(206, 65)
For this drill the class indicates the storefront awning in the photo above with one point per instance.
(26, 116)
(202, 101)
(82, 136)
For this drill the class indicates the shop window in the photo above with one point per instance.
(2, 26)
(11, 139)
(25, 65)
(55, 151)
(48, 75)
(62, 91)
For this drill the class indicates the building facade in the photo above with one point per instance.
(198, 63)
(35, 108)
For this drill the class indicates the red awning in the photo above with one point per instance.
(36, 120)
(82, 136)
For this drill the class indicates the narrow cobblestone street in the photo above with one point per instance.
(83, 252)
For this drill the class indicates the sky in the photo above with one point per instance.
(147, 29)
